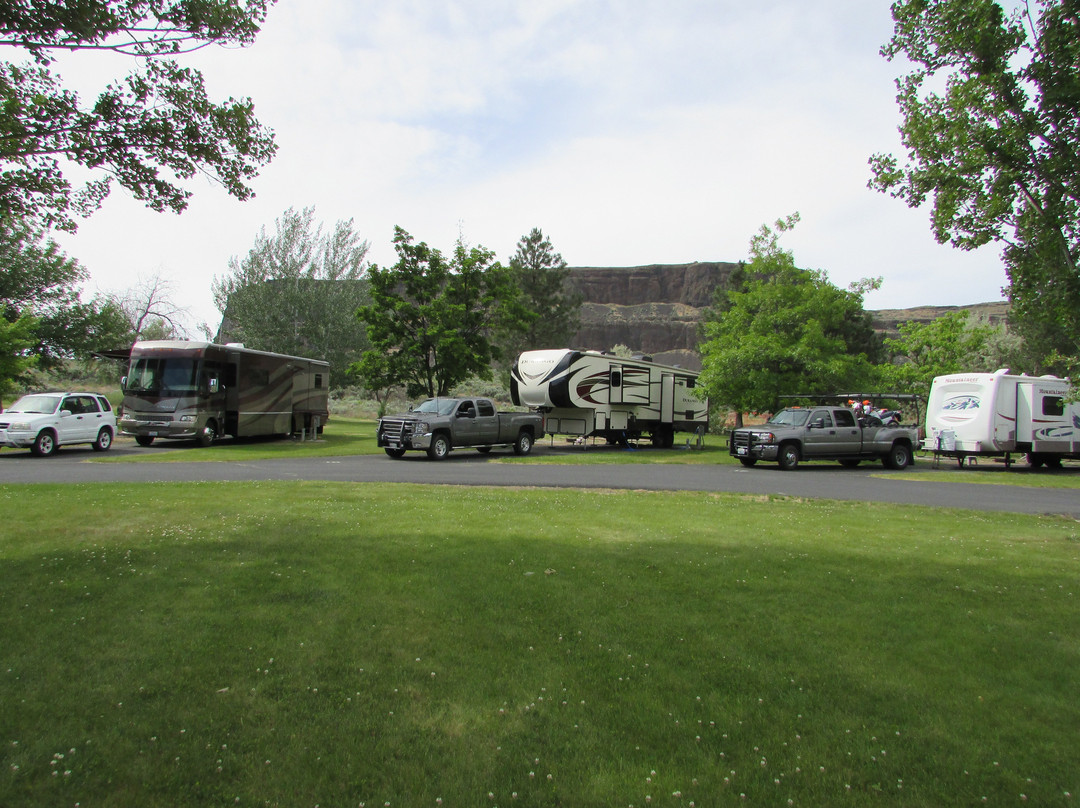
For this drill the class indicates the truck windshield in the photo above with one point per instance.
(163, 376)
(437, 406)
(790, 418)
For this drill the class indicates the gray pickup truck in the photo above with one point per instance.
(440, 425)
(823, 433)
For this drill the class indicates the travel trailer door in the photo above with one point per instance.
(667, 398)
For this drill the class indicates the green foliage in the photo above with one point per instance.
(785, 331)
(297, 292)
(41, 283)
(548, 312)
(148, 133)
(949, 344)
(16, 340)
(431, 321)
(997, 146)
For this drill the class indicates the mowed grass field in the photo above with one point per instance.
(303, 644)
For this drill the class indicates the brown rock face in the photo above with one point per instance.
(657, 309)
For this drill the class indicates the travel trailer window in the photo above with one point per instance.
(616, 378)
(1053, 405)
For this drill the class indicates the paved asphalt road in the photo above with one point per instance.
(869, 483)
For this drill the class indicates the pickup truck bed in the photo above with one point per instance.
(822, 433)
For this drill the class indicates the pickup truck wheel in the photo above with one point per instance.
(524, 443)
(899, 457)
(440, 447)
(788, 457)
(748, 461)
(144, 440)
(104, 440)
(44, 444)
(394, 453)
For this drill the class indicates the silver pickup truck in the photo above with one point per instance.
(823, 433)
(440, 425)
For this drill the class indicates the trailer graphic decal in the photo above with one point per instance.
(961, 407)
(591, 386)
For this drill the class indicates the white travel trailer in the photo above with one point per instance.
(998, 414)
(585, 393)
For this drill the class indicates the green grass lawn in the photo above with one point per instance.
(302, 644)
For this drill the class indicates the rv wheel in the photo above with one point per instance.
(208, 434)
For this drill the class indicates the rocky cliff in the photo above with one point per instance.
(656, 309)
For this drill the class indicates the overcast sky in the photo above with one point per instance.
(631, 132)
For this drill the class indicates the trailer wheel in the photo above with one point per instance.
(208, 434)
(394, 453)
(440, 446)
(899, 457)
(788, 457)
(144, 440)
(524, 443)
(1035, 460)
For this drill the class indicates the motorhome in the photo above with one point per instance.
(591, 394)
(200, 390)
(1001, 414)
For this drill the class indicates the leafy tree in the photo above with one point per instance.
(297, 292)
(16, 340)
(431, 320)
(786, 331)
(40, 281)
(948, 344)
(992, 132)
(148, 132)
(549, 310)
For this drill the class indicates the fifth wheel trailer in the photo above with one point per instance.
(585, 393)
(200, 390)
(1000, 414)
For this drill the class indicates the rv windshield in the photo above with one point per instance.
(437, 406)
(790, 417)
(163, 376)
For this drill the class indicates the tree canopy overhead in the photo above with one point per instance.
(991, 124)
(148, 132)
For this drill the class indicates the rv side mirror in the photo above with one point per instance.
(212, 386)
(123, 382)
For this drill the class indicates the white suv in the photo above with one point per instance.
(43, 422)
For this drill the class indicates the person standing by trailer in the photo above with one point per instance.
(177, 389)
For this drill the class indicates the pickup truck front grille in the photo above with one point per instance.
(741, 438)
(396, 429)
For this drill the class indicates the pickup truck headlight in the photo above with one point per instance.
(422, 428)
(766, 437)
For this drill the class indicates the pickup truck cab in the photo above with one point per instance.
(823, 433)
(440, 425)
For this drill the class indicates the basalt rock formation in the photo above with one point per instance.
(657, 309)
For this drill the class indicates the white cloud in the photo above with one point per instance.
(631, 132)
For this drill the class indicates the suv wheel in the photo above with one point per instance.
(104, 440)
(44, 444)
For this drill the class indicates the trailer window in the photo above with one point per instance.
(1053, 405)
(616, 378)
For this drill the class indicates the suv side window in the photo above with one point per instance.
(105, 405)
(73, 405)
(844, 417)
